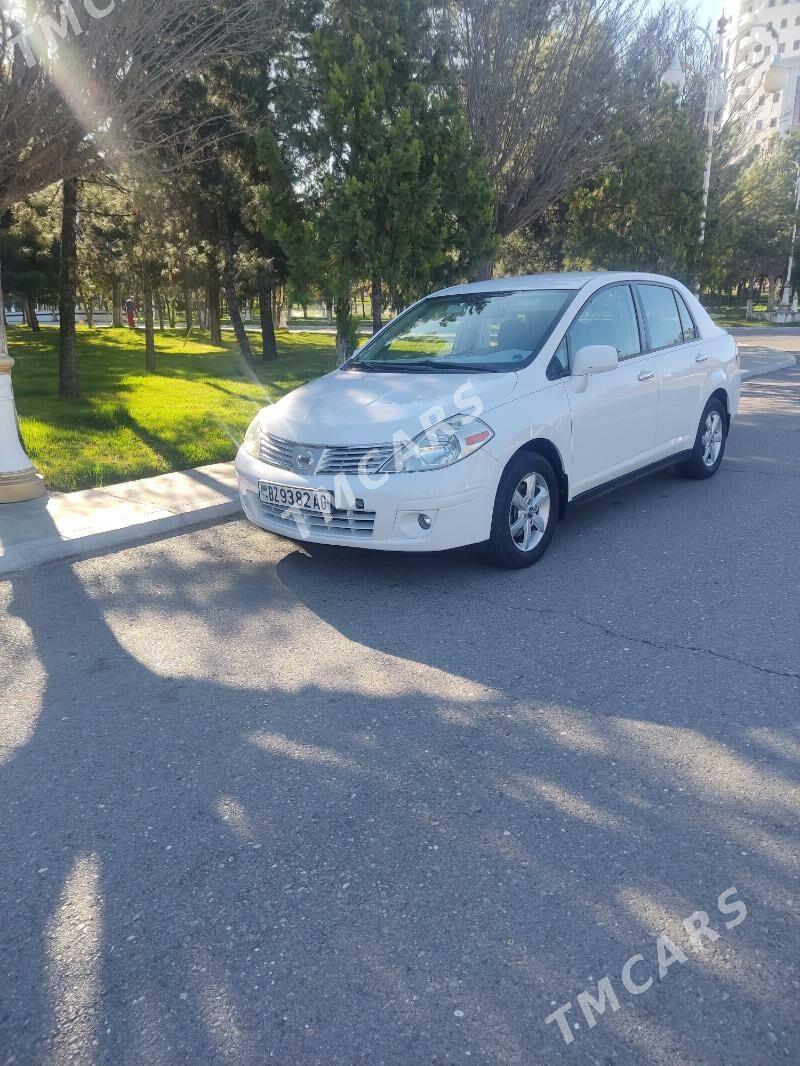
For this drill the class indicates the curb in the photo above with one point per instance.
(770, 368)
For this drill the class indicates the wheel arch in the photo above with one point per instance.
(550, 452)
(721, 394)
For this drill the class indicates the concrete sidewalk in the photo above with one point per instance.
(760, 359)
(69, 524)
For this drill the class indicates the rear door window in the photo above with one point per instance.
(661, 315)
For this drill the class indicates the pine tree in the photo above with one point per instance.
(405, 197)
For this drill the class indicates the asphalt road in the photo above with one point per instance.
(265, 804)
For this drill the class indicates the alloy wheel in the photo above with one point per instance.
(529, 512)
(711, 442)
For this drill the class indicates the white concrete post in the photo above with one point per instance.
(19, 478)
(787, 284)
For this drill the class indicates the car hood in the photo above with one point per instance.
(367, 407)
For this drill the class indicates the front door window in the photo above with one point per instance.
(608, 318)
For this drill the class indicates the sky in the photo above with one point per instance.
(710, 10)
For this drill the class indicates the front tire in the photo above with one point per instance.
(709, 444)
(525, 512)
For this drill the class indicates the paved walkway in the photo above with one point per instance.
(70, 524)
(766, 350)
(75, 523)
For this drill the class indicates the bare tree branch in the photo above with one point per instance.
(78, 92)
(549, 83)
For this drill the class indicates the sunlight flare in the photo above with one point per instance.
(74, 941)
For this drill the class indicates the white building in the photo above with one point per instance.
(768, 113)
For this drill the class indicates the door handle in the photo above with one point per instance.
(646, 375)
(700, 358)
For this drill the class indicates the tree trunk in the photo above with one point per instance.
(149, 332)
(67, 291)
(159, 309)
(771, 293)
(30, 313)
(377, 304)
(280, 307)
(329, 310)
(344, 332)
(229, 282)
(116, 303)
(484, 270)
(214, 317)
(268, 345)
(187, 303)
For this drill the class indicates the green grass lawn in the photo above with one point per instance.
(129, 424)
(728, 317)
(734, 316)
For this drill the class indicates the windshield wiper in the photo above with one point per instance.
(439, 366)
(446, 364)
(407, 367)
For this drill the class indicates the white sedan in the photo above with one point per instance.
(483, 411)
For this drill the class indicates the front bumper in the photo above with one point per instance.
(382, 513)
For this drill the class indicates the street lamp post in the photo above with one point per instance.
(19, 479)
(787, 285)
(775, 79)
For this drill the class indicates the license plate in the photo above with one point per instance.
(315, 500)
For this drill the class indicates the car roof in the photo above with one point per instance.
(570, 279)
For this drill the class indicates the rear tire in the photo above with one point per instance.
(525, 512)
(709, 444)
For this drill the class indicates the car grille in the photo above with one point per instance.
(356, 525)
(350, 460)
(276, 452)
(334, 460)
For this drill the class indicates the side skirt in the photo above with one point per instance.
(626, 479)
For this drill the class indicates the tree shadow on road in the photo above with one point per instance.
(365, 808)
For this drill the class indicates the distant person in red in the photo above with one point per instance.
(130, 311)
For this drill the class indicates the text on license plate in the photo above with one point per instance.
(302, 499)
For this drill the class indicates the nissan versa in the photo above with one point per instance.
(481, 412)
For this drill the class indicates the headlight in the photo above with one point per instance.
(252, 438)
(442, 445)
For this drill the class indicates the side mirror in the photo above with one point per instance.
(594, 359)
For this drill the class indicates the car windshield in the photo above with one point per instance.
(497, 331)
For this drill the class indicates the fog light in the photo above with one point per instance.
(425, 521)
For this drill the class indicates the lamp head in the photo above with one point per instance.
(673, 77)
